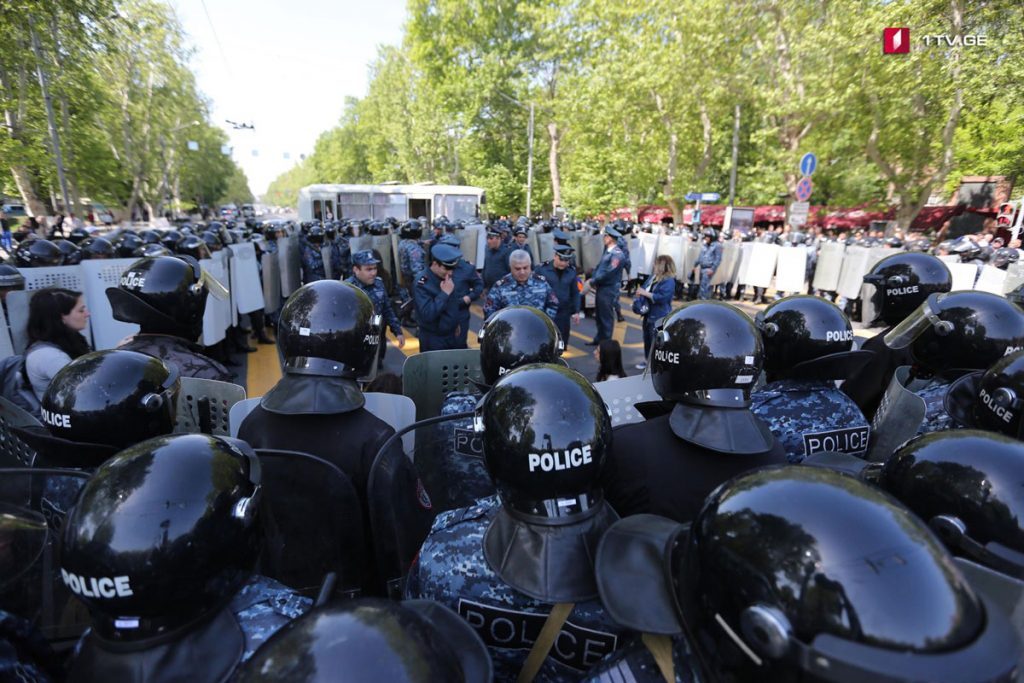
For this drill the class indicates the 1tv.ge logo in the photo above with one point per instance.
(896, 41)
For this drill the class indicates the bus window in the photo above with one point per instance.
(329, 213)
(318, 210)
(461, 206)
(420, 207)
(389, 205)
(354, 205)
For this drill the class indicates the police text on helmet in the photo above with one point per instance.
(103, 587)
(839, 335)
(1004, 413)
(1012, 349)
(667, 356)
(900, 291)
(56, 419)
(560, 460)
(133, 280)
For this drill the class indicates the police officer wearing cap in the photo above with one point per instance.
(808, 344)
(519, 240)
(495, 258)
(902, 282)
(761, 588)
(364, 276)
(166, 297)
(523, 558)
(521, 287)
(468, 287)
(560, 273)
(437, 310)
(605, 282)
(705, 359)
(161, 547)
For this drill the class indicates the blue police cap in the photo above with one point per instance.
(565, 251)
(445, 254)
(519, 231)
(559, 234)
(364, 258)
(451, 240)
(612, 232)
(493, 232)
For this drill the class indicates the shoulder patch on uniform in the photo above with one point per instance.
(422, 280)
(541, 277)
(853, 440)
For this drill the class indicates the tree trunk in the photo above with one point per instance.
(23, 179)
(556, 179)
(672, 167)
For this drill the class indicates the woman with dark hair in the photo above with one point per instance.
(658, 290)
(56, 318)
(609, 360)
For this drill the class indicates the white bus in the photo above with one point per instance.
(376, 202)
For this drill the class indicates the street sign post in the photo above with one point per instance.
(702, 196)
(803, 189)
(808, 163)
(798, 213)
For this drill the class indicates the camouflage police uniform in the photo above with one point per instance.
(563, 283)
(453, 468)
(411, 260)
(181, 354)
(312, 263)
(810, 416)
(634, 663)
(451, 569)
(536, 292)
(262, 607)
(709, 259)
(936, 419)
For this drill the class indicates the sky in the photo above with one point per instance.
(284, 66)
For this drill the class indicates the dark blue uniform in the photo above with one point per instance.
(341, 257)
(382, 306)
(411, 260)
(635, 664)
(936, 419)
(451, 569)
(437, 313)
(811, 416)
(607, 279)
(467, 283)
(495, 265)
(709, 259)
(563, 284)
(312, 263)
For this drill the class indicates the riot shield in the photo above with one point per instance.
(623, 394)
(964, 275)
(641, 254)
(743, 267)
(217, 316)
(992, 280)
(791, 269)
(1014, 277)
(855, 266)
(691, 252)
(271, 276)
(762, 264)
(359, 243)
(6, 346)
(13, 451)
(672, 246)
(830, 263)
(325, 254)
(898, 417)
(313, 525)
(592, 248)
(244, 277)
(387, 268)
(727, 268)
(289, 265)
(31, 586)
(533, 243)
(546, 246)
(469, 243)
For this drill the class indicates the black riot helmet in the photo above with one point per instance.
(993, 400)
(11, 278)
(331, 231)
(370, 639)
(965, 484)
(150, 236)
(72, 254)
(411, 229)
(97, 248)
(111, 398)
(171, 238)
(194, 246)
(152, 250)
(128, 245)
(806, 337)
(213, 241)
(1003, 257)
(38, 253)
(515, 336)
(706, 352)
(164, 295)
(329, 329)
(960, 331)
(903, 281)
(546, 431)
(778, 584)
(78, 234)
(164, 533)
(316, 235)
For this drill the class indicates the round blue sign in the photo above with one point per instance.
(808, 163)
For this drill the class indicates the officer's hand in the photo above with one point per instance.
(447, 286)
(401, 341)
(575, 318)
(467, 300)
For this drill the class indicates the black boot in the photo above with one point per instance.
(239, 339)
(259, 327)
(739, 292)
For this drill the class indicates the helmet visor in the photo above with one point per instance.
(917, 323)
(22, 538)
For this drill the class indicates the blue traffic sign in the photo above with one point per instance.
(803, 189)
(808, 163)
(702, 196)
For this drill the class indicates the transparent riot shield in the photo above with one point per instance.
(442, 469)
(898, 417)
(830, 265)
(32, 506)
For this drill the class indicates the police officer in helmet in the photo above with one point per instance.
(773, 582)
(990, 400)
(704, 361)
(166, 297)
(808, 344)
(161, 547)
(454, 472)
(520, 559)
(370, 639)
(902, 282)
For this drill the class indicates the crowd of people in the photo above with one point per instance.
(792, 505)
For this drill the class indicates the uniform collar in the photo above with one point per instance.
(798, 385)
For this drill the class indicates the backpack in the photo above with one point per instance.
(14, 387)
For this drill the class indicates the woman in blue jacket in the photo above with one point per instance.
(658, 290)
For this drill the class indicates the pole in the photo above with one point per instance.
(529, 168)
(54, 138)
(735, 155)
